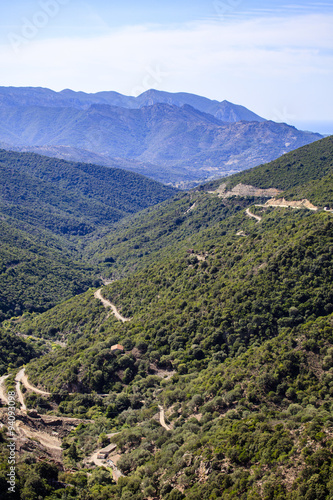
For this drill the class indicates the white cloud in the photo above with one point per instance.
(266, 64)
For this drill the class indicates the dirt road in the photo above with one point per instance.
(98, 295)
(162, 419)
(51, 442)
(19, 393)
(283, 203)
(250, 214)
(22, 377)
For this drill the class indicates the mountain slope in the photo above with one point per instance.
(36, 273)
(304, 173)
(169, 175)
(309, 163)
(247, 331)
(137, 242)
(229, 340)
(225, 111)
(47, 207)
(72, 198)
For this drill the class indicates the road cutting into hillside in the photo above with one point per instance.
(106, 303)
(22, 377)
(162, 419)
(20, 394)
(250, 214)
(45, 439)
(282, 203)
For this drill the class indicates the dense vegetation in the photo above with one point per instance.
(230, 332)
(311, 162)
(71, 198)
(159, 232)
(15, 351)
(248, 332)
(36, 275)
(47, 207)
(186, 311)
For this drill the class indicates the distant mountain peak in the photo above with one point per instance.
(38, 96)
(225, 111)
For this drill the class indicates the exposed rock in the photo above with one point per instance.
(282, 202)
(246, 190)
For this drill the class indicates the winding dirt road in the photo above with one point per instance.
(20, 394)
(162, 419)
(22, 377)
(98, 295)
(250, 214)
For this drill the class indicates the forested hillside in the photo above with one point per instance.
(292, 170)
(47, 207)
(36, 275)
(136, 242)
(216, 380)
(72, 198)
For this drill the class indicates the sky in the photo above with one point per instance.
(274, 58)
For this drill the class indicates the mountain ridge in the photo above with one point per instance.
(176, 144)
(224, 110)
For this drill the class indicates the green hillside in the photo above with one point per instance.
(308, 163)
(224, 388)
(15, 351)
(303, 173)
(34, 275)
(138, 241)
(71, 198)
(247, 290)
(248, 333)
(141, 240)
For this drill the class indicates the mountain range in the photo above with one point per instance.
(30, 96)
(177, 139)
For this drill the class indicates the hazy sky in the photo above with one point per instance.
(275, 58)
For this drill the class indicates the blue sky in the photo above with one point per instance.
(275, 58)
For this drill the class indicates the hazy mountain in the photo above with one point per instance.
(31, 96)
(175, 144)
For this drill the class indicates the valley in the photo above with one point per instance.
(203, 365)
